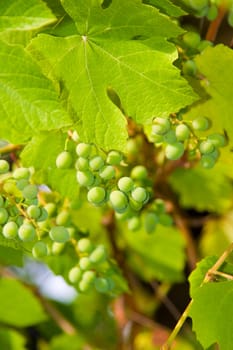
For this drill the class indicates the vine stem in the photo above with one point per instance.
(208, 277)
(214, 25)
(10, 148)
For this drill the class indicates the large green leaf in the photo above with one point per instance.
(104, 54)
(19, 307)
(11, 340)
(28, 100)
(167, 7)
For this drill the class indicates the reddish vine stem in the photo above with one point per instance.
(215, 25)
(10, 148)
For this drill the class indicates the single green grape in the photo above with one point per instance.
(30, 191)
(57, 248)
(43, 216)
(201, 124)
(150, 221)
(21, 173)
(33, 211)
(89, 276)
(82, 164)
(204, 44)
(189, 68)
(50, 208)
(132, 147)
(114, 158)
(85, 245)
(207, 161)
(10, 230)
(139, 172)
(174, 151)
(102, 285)
(182, 132)
(170, 137)
(63, 218)
(64, 160)
(107, 172)
(27, 232)
(83, 149)
(59, 234)
(22, 183)
(85, 263)
(134, 223)
(161, 126)
(39, 250)
(85, 178)
(4, 166)
(84, 286)
(125, 184)
(98, 255)
(135, 205)
(206, 147)
(212, 12)
(192, 39)
(139, 194)
(118, 200)
(3, 216)
(165, 219)
(96, 163)
(75, 274)
(218, 140)
(75, 136)
(96, 195)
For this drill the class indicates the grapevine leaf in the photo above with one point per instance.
(12, 340)
(211, 314)
(10, 256)
(104, 54)
(165, 267)
(27, 310)
(167, 7)
(28, 100)
(190, 184)
(65, 341)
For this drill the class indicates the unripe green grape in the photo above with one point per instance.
(217, 140)
(4, 166)
(33, 211)
(212, 12)
(165, 219)
(59, 234)
(96, 195)
(83, 149)
(57, 248)
(206, 147)
(85, 263)
(107, 172)
(157, 138)
(21, 173)
(139, 194)
(75, 136)
(50, 208)
(201, 124)
(30, 192)
(182, 132)
(3, 216)
(207, 161)
(39, 250)
(189, 68)
(22, 183)
(98, 255)
(134, 223)
(19, 220)
(1, 201)
(72, 231)
(139, 172)
(159, 206)
(96, 163)
(63, 218)
(135, 205)
(118, 200)
(89, 276)
(114, 158)
(27, 232)
(150, 221)
(85, 245)
(124, 215)
(161, 126)
(102, 285)
(84, 286)
(43, 216)
(197, 4)
(85, 178)
(10, 187)
(64, 160)
(10, 230)
(215, 154)
(125, 184)
(192, 39)
(174, 151)
(82, 164)
(132, 146)
(170, 137)
(75, 274)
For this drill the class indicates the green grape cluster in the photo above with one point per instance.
(100, 173)
(92, 269)
(178, 135)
